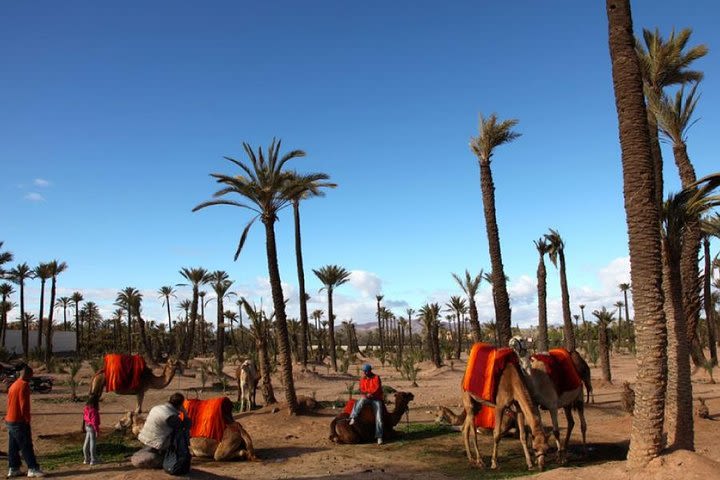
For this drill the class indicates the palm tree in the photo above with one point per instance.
(604, 319)
(18, 276)
(76, 298)
(410, 312)
(201, 320)
(624, 288)
(332, 276)
(643, 220)
(469, 286)
(492, 135)
(42, 272)
(674, 120)
(117, 325)
(92, 316)
(56, 268)
(64, 303)
(259, 330)
(457, 305)
(380, 325)
(711, 228)
(165, 293)
(557, 251)
(220, 283)
(307, 186)
(585, 327)
(5, 257)
(543, 247)
(429, 315)
(196, 277)
(619, 305)
(5, 291)
(129, 298)
(268, 189)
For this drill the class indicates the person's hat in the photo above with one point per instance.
(367, 368)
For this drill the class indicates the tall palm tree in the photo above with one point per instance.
(19, 275)
(585, 326)
(410, 312)
(165, 293)
(76, 298)
(643, 220)
(91, 313)
(543, 247)
(429, 315)
(604, 317)
(268, 188)
(494, 133)
(457, 305)
(5, 257)
(117, 316)
(469, 286)
(307, 186)
(381, 336)
(625, 288)
(64, 303)
(196, 277)
(557, 251)
(711, 228)
(5, 291)
(56, 268)
(619, 305)
(674, 119)
(201, 319)
(220, 283)
(42, 271)
(332, 276)
(128, 298)
(259, 330)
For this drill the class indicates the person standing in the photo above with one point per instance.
(91, 427)
(371, 392)
(17, 420)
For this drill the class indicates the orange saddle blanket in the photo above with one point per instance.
(208, 416)
(482, 375)
(123, 372)
(561, 369)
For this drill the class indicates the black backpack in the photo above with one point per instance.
(177, 457)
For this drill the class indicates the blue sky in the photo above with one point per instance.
(113, 116)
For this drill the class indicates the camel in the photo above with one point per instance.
(364, 428)
(544, 393)
(235, 444)
(247, 378)
(147, 381)
(511, 391)
(583, 370)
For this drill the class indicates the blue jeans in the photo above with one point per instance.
(90, 445)
(377, 407)
(20, 442)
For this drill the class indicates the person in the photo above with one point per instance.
(17, 420)
(162, 421)
(371, 392)
(91, 427)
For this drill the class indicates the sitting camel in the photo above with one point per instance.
(363, 430)
(147, 381)
(247, 378)
(511, 391)
(544, 392)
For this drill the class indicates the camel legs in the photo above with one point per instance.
(556, 431)
(469, 429)
(140, 397)
(583, 424)
(570, 426)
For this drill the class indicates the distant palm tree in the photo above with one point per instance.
(543, 247)
(625, 288)
(642, 204)
(117, 325)
(259, 330)
(381, 335)
(307, 186)
(619, 305)
(128, 298)
(268, 188)
(470, 285)
(76, 298)
(64, 303)
(332, 276)
(5, 291)
(5, 257)
(410, 312)
(56, 268)
(42, 271)
(494, 133)
(711, 228)
(196, 277)
(430, 316)
(19, 275)
(557, 250)
(165, 293)
(201, 319)
(457, 305)
(604, 319)
(220, 283)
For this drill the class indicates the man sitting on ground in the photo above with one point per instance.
(371, 392)
(162, 421)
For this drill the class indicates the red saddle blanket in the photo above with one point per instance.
(208, 416)
(123, 372)
(561, 369)
(482, 375)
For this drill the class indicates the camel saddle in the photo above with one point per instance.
(482, 375)
(123, 372)
(561, 369)
(208, 416)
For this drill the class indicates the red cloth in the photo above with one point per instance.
(123, 372)
(207, 416)
(18, 402)
(371, 386)
(482, 375)
(561, 369)
(349, 406)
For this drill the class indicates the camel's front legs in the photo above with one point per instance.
(248, 441)
(469, 428)
(556, 432)
(523, 438)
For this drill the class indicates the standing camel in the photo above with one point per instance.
(147, 381)
(545, 393)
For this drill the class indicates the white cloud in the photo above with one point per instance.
(367, 283)
(41, 182)
(34, 197)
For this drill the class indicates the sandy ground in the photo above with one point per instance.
(298, 447)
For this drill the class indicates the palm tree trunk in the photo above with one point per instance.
(23, 322)
(542, 306)
(65, 324)
(3, 306)
(643, 220)
(220, 345)
(458, 348)
(707, 297)
(331, 330)
(604, 351)
(77, 327)
(167, 301)
(143, 335)
(678, 402)
(264, 360)
(500, 294)
(40, 317)
(437, 359)
(281, 320)
(474, 320)
(201, 325)
(48, 335)
(380, 330)
(567, 320)
(430, 345)
(129, 338)
(410, 332)
(301, 285)
(627, 316)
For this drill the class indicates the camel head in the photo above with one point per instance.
(519, 346)
(402, 400)
(174, 365)
(540, 447)
(132, 422)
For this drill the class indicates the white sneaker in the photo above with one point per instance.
(14, 472)
(380, 441)
(352, 421)
(35, 473)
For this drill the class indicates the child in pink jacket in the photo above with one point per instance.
(91, 426)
